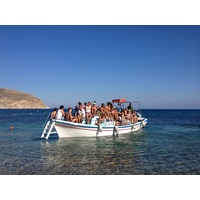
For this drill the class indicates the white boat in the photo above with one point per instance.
(107, 128)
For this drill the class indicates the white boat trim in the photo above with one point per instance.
(70, 129)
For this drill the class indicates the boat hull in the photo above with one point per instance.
(70, 129)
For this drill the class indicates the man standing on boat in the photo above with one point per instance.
(130, 107)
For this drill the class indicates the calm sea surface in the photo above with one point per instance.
(169, 144)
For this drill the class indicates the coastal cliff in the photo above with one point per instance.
(15, 99)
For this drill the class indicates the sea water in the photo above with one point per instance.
(169, 144)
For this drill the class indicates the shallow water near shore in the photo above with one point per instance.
(169, 144)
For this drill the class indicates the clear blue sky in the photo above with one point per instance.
(157, 65)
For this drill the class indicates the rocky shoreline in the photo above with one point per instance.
(12, 99)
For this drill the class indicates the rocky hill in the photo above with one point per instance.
(15, 99)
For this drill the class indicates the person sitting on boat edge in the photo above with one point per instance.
(81, 114)
(93, 109)
(69, 117)
(88, 113)
(101, 119)
(115, 114)
(122, 117)
(60, 114)
(128, 117)
(53, 114)
(102, 108)
(76, 111)
(134, 115)
(107, 111)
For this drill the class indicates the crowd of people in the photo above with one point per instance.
(104, 112)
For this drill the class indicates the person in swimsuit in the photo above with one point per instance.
(53, 114)
(88, 113)
(107, 111)
(93, 109)
(81, 114)
(134, 116)
(115, 114)
(102, 108)
(129, 117)
(69, 117)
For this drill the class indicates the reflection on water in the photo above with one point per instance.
(164, 146)
(98, 155)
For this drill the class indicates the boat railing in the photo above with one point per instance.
(47, 119)
(48, 127)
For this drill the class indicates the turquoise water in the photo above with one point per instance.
(169, 144)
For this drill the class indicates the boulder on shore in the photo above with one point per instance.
(15, 99)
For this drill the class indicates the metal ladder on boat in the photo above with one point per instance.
(49, 129)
